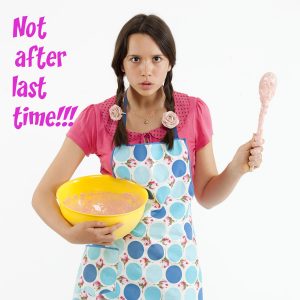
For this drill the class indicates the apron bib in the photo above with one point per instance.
(158, 259)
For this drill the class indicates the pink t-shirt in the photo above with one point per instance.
(93, 130)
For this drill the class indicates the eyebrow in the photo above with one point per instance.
(139, 55)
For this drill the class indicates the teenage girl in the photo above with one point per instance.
(161, 139)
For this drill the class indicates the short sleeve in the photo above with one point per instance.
(203, 124)
(83, 132)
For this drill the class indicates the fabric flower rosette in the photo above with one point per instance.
(169, 118)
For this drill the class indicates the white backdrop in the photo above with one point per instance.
(248, 245)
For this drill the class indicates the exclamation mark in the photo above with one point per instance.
(73, 111)
(66, 115)
(60, 111)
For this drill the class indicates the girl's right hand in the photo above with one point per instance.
(92, 233)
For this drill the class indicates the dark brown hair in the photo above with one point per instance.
(159, 31)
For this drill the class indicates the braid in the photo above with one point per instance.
(120, 136)
(170, 106)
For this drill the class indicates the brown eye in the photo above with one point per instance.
(135, 57)
(157, 57)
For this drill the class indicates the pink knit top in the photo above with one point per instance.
(93, 130)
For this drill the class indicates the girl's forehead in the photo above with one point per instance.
(142, 43)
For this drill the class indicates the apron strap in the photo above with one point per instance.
(125, 103)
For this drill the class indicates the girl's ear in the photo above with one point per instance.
(169, 68)
(122, 69)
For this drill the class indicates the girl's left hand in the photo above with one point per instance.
(248, 156)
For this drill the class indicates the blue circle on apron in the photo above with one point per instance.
(178, 189)
(191, 189)
(122, 172)
(188, 230)
(154, 273)
(160, 172)
(93, 252)
(135, 249)
(191, 253)
(139, 230)
(158, 213)
(89, 273)
(90, 291)
(177, 148)
(179, 168)
(134, 271)
(157, 230)
(152, 293)
(140, 152)
(200, 295)
(190, 293)
(108, 276)
(191, 274)
(155, 252)
(176, 232)
(156, 151)
(114, 294)
(177, 210)
(162, 193)
(175, 253)
(141, 175)
(174, 274)
(120, 244)
(172, 294)
(132, 292)
(110, 256)
(121, 153)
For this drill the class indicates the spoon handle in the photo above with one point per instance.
(262, 114)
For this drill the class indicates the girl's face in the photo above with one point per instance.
(145, 62)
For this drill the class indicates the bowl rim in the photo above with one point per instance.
(61, 203)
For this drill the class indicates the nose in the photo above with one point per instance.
(146, 68)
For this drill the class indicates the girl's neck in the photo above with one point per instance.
(139, 102)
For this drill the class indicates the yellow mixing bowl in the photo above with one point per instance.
(102, 183)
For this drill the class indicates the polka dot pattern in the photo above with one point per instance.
(141, 175)
(157, 230)
(139, 230)
(162, 194)
(156, 252)
(188, 230)
(175, 253)
(174, 274)
(135, 249)
(177, 210)
(108, 276)
(134, 271)
(89, 273)
(152, 293)
(140, 152)
(179, 168)
(99, 267)
(154, 273)
(172, 294)
(158, 259)
(158, 213)
(132, 291)
(157, 151)
(160, 173)
(123, 172)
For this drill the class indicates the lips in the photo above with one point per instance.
(146, 83)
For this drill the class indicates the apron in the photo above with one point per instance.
(158, 259)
